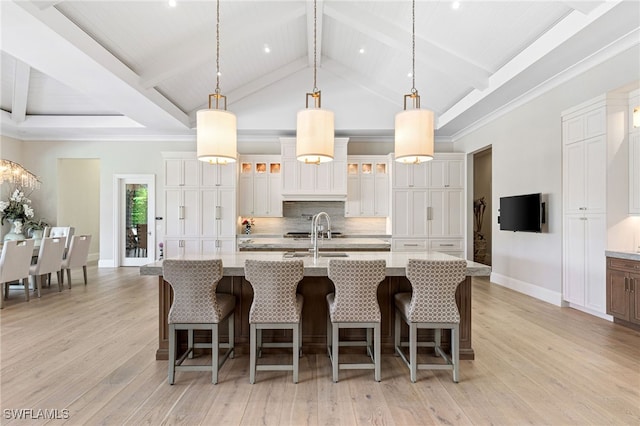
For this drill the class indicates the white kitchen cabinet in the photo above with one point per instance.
(367, 186)
(259, 186)
(200, 204)
(634, 172)
(411, 175)
(585, 187)
(427, 205)
(446, 172)
(219, 245)
(595, 197)
(181, 247)
(410, 213)
(181, 172)
(445, 213)
(182, 213)
(584, 282)
(308, 182)
(219, 175)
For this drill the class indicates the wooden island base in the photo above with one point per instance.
(314, 314)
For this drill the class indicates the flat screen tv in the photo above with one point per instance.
(523, 213)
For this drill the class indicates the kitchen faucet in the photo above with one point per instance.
(314, 232)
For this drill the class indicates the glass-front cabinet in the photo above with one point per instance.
(259, 193)
(367, 186)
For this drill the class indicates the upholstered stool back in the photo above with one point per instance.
(194, 285)
(274, 286)
(356, 289)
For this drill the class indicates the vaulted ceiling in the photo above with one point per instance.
(141, 69)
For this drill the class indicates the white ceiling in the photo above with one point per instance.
(141, 69)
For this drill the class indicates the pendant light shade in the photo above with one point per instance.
(216, 128)
(414, 128)
(314, 126)
(314, 135)
(414, 136)
(216, 136)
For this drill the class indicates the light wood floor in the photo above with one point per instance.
(90, 350)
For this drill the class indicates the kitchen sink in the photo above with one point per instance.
(295, 254)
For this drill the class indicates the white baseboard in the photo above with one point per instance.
(549, 296)
(106, 263)
(590, 311)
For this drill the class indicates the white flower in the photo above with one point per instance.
(3, 205)
(28, 211)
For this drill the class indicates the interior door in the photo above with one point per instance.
(136, 225)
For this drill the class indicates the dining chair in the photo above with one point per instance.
(60, 231)
(14, 265)
(197, 306)
(431, 305)
(354, 304)
(77, 256)
(275, 305)
(49, 260)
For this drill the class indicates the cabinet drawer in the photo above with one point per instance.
(409, 245)
(624, 264)
(445, 245)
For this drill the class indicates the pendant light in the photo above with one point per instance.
(315, 128)
(414, 127)
(216, 128)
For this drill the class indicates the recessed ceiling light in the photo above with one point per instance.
(361, 50)
(455, 5)
(267, 49)
(409, 74)
(173, 3)
(219, 73)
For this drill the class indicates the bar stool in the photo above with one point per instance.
(197, 306)
(276, 305)
(432, 305)
(355, 305)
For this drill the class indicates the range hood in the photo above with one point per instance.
(314, 182)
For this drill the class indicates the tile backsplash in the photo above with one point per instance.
(297, 218)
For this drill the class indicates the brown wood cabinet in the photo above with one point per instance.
(623, 291)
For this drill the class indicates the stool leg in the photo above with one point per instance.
(413, 351)
(252, 354)
(376, 344)
(259, 339)
(396, 333)
(172, 353)
(455, 351)
(296, 351)
(437, 339)
(300, 338)
(190, 342)
(232, 339)
(369, 344)
(215, 353)
(335, 346)
(329, 338)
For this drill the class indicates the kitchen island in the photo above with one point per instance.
(314, 287)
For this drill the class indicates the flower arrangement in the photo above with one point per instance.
(17, 208)
(247, 223)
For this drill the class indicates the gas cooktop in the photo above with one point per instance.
(308, 235)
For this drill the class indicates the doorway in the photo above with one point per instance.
(482, 206)
(134, 237)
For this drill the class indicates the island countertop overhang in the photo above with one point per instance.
(233, 262)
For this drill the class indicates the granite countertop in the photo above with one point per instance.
(629, 255)
(305, 243)
(233, 262)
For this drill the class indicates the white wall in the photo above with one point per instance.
(115, 158)
(527, 157)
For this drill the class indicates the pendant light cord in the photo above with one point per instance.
(218, 47)
(413, 46)
(315, 87)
